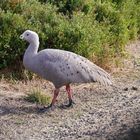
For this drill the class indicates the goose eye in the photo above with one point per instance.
(27, 34)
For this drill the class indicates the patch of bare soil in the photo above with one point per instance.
(99, 113)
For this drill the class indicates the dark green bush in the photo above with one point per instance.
(95, 29)
(67, 7)
(121, 17)
(32, 16)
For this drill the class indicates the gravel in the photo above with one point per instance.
(100, 113)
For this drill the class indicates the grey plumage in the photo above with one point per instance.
(59, 66)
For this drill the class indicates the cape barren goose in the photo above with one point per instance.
(61, 67)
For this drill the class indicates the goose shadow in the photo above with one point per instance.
(11, 110)
(26, 108)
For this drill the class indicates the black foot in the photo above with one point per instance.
(70, 104)
(47, 109)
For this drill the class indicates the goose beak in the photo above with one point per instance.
(21, 37)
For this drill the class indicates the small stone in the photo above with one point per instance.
(125, 89)
(1, 111)
(134, 88)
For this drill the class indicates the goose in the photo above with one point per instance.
(61, 67)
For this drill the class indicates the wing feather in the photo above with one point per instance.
(65, 67)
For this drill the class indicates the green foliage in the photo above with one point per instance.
(121, 17)
(10, 45)
(67, 7)
(95, 29)
(36, 96)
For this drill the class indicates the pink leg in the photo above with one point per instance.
(56, 92)
(51, 106)
(69, 92)
(69, 96)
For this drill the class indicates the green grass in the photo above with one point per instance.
(37, 96)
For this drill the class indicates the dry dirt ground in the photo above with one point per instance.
(99, 113)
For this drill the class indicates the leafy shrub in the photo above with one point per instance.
(14, 23)
(120, 16)
(95, 29)
(67, 7)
